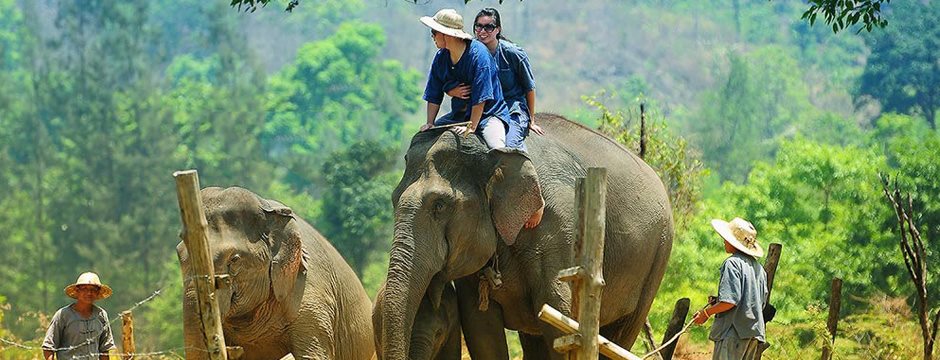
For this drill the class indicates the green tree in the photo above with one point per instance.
(745, 118)
(667, 153)
(336, 92)
(902, 71)
(357, 215)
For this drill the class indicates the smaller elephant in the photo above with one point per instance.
(291, 292)
(436, 332)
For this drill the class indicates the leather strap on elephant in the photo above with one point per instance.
(490, 277)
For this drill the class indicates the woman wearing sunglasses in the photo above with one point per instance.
(464, 60)
(515, 77)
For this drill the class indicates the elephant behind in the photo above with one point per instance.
(291, 292)
(460, 208)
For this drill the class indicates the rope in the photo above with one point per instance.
(90, 339)
(675, 337)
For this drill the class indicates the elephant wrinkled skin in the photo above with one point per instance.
(459, 204)
(291, 292)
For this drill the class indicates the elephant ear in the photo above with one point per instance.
(288, 257)
(513, 192)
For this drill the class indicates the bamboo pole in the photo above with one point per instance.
(127, 335)
(197, 245)
(567, 325)
(679, 313)
(592, 260)
(835, 304)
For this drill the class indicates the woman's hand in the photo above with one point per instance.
(426, 126)
(536, 129)
(462, 91)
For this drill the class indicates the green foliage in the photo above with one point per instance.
(668, 154)
(357, 214)
(744, 120)
(336, 92)
(843, 14)
(902, 71)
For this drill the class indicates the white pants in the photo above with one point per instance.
(494, 133)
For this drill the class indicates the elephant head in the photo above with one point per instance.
(257, 243)
(455, 202)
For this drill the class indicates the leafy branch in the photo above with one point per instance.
(915, 260)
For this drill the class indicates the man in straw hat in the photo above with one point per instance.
(742, 293)
(80, 330)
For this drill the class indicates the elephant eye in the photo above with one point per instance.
(439, 206)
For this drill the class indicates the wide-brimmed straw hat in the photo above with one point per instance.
(88, 278)
(740, 234)
(448, 22)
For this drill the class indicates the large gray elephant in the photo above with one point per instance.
(291, 292)
(460, 208)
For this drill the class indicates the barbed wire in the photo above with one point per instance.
(89, 340)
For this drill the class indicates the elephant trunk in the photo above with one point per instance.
(422, 347)
(409, 273)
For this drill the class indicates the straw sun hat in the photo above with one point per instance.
(88, 278)
(448, 22)
(740, 234)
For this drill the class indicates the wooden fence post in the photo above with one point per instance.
(770, 267)
(127, 335)
(835, 304)
(197, 245)
(592, 261)
(679, 313)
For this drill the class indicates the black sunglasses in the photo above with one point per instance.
(433, 32)
(487, 27)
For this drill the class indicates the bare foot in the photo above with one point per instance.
(535, 219)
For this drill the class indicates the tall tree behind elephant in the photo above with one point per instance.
(460, 208)
(291, 291)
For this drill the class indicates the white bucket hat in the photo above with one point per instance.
(88, 278)
(740, 234)
(448, 22)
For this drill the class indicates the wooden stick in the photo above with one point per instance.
(127, 335)
(592, 260)
(648, 338)
(770, 267)
(835, 304)
(450, 125)
(197, 245)
(679, 313)
(567, 325)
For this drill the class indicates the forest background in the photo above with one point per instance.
(752, 113)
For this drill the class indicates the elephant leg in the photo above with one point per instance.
(557, 297)
(533, 347)
(482, 330)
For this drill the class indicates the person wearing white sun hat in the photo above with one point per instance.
(738, 330)
(80, 330)
(464, 60)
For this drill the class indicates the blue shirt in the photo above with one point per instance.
(515, 75)
(744, 284)
(477, 68)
